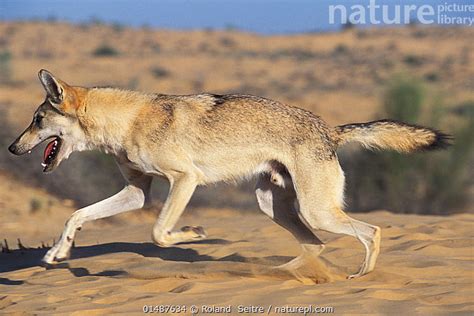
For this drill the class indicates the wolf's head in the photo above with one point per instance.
(55, 121)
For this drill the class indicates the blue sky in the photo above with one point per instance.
(261, 16)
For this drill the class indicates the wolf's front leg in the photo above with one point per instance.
(181, 190)
(132, 197)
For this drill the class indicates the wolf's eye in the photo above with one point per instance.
(38, 119)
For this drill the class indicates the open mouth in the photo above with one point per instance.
(51, 153)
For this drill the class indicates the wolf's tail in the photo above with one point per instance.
(389, 134)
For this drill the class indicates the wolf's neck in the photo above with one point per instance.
(108, 115)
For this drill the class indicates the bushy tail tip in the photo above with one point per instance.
(395, 135)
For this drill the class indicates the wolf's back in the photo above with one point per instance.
(390, 134)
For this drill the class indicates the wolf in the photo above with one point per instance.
(205, 138)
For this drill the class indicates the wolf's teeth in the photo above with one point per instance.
(43, 164)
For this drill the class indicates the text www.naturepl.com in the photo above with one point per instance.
(268, 310)
(240, 309)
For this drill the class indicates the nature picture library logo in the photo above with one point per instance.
(374, 12)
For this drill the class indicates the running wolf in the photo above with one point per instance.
(200, 139)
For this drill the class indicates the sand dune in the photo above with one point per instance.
(425, 267)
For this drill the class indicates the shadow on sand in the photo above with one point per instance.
(175, 262)
(26, 258)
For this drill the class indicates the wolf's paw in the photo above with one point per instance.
(353, 276)
(362, 271)
(194, 232)
(55, 255)
(185, 234)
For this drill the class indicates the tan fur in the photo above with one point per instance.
(199, 139)
(387, 134)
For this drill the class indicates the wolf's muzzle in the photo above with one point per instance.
(15, 149)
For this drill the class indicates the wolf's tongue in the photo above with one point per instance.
(48, 150)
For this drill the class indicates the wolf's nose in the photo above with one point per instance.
(13, 149)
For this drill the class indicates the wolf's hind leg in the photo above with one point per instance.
(277, 199)
(320, 188)
(181, 190)
(132, 197)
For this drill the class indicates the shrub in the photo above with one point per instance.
(227, 42)
(5, 67)
(435, 183)
(35, 205)
(348, 26)
(341, 49)
(403, 100)
(118, 27)
(431, 76)
(159, 72)
(231, 28)
(413, 60)
(297, 54)
(105, 50)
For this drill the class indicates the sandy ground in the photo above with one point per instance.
(425, 266)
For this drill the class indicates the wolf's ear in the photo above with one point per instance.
(54, 87)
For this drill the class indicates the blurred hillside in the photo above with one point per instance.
(343, 77)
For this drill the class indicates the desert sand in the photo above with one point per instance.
(425, 265)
